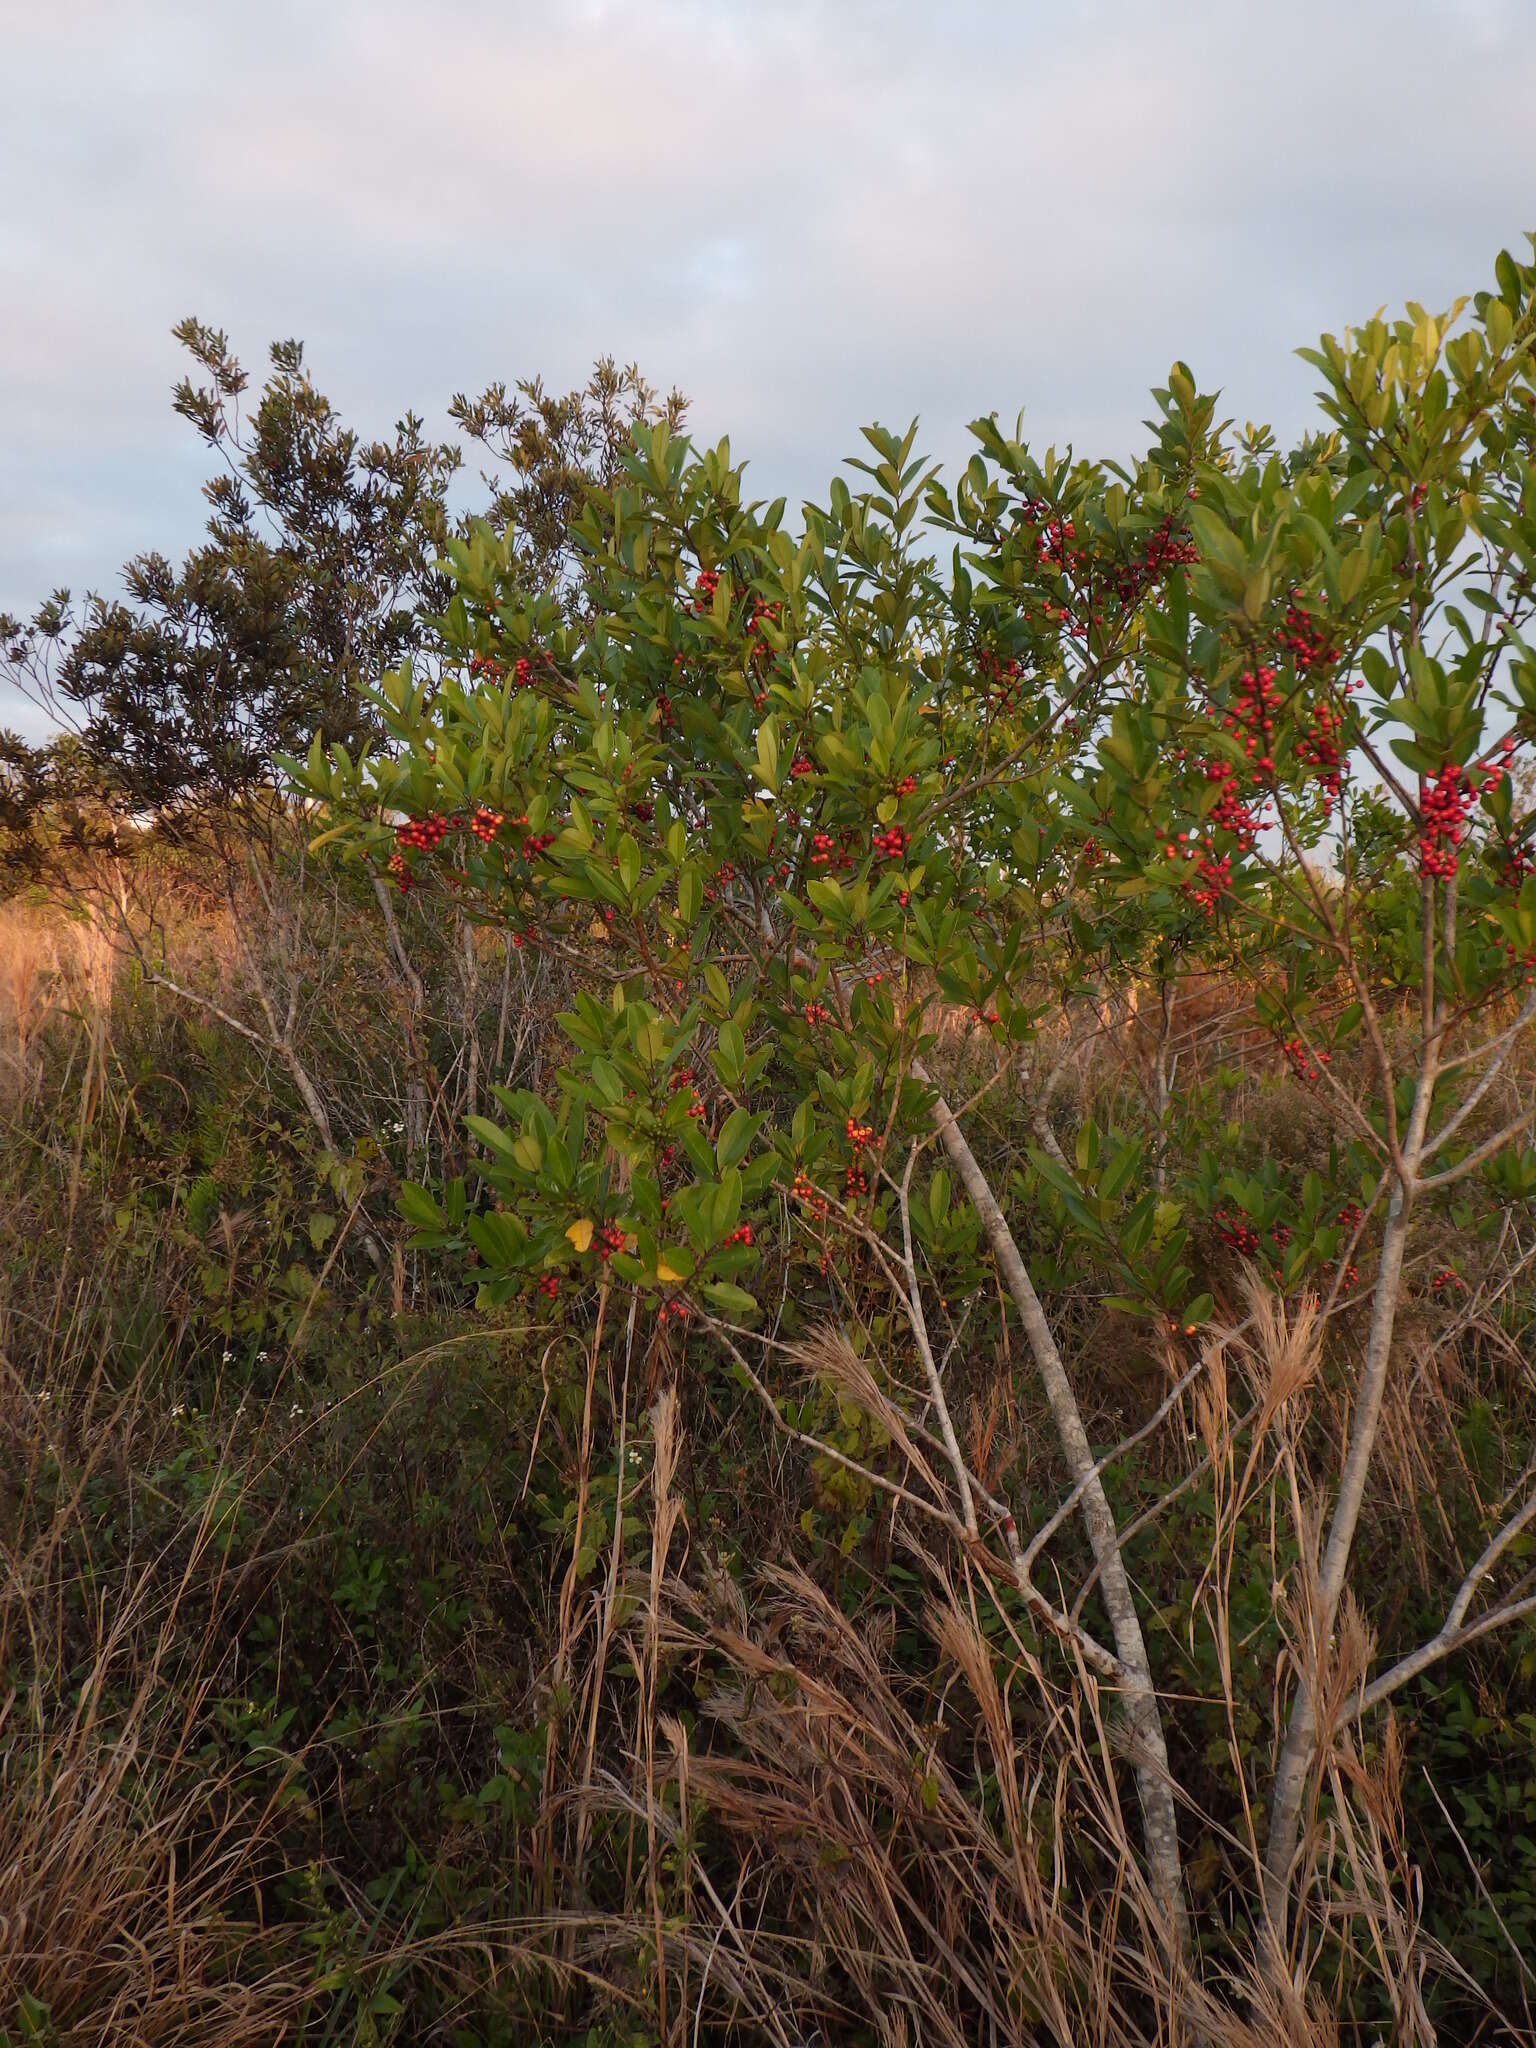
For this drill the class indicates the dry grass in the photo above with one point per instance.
(943, 1863)
(130, 1872)
(127, 1883)
(52, 969)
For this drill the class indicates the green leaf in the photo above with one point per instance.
(731, 1053)
(606, 1080)
(768, 752)
(418, 1207)
(735, 1136)
(731, 1299)
(727, 1202)
(1118, 1173)
(496, 1140)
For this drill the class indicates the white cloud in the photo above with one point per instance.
(805, 215)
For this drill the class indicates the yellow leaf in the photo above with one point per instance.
(580, 1233)
(598, 930)
(665, 1272)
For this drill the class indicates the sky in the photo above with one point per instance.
(805, 216)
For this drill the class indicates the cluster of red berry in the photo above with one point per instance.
(1515, 862)
(830, 852)
(1212, 879)
(705, 586)
(1003, 680)
(536, 843)
(817, 1013)
(1319, 749)
(549, 1287)
(1236, 1232)
(423, 835)
(1252, 716)
(666, 717)
(855, 1179)
(726, 872)
(400, 868)
(486, 823)
(610, 1239)
(799, 767)
(1168, 547)
(1444, 804)
(1055, 543)
(681, 1083)
(1232, 814)
(761, 613)
(805, 1190)
(672, 1312)
(486, 668)
(742, 1234)
(892, 843)
(1213, 873)
(1444, 1283)
(1304, 640)
(1301, 1063)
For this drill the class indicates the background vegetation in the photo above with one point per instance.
(537, 1504)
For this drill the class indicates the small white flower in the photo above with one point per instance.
(228, 1355)
(294, 1410)
(261, 1356)
(47, 1394)
(179, 1410)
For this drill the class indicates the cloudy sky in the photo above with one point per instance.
(807, 216)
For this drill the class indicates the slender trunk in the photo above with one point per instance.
(471, 1022)
(416, 1099)
(1149, 1751)
(1299, 1748)
(498, 1069)
(1300, 1745)
(1163, 1073)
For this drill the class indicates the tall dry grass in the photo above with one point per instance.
(53, 969)
(131, 1870)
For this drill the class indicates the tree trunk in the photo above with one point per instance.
(1300, 1745)
(1149, 1751)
